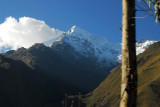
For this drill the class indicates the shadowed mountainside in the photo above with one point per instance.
(107, 94)
(40, 76)
(62, 62)
(22, 86)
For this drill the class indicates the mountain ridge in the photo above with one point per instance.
(88, 44)
(108, 92)
(68, 64)
(85, 43)
(58, 68)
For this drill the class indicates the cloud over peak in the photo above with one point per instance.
(24, 33)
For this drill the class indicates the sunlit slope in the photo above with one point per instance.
(108, 92)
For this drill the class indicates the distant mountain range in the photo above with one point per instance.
(41, 75)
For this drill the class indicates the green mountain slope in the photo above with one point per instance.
(108, 92)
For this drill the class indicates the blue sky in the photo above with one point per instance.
(100, 17)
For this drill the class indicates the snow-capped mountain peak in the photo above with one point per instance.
(80, 33)
(73, 29)
(88, 44)
(77, 30)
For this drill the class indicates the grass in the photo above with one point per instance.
(107, 94)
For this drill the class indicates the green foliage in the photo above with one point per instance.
(157, 10)
(149, 3)
(156, 4)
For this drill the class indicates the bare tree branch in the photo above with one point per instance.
(145, 7)
(143, 16)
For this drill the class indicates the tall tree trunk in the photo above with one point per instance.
(129, 66)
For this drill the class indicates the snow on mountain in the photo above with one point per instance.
(50, 42)
(89, 44)
(140, 47)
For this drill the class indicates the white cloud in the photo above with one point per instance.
(24, 33)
